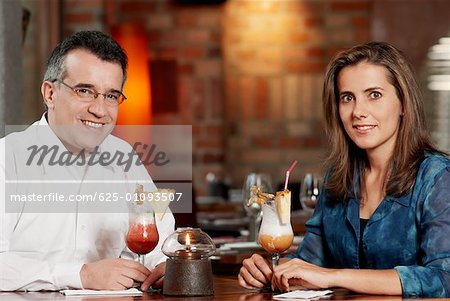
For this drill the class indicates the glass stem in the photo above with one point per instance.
(141, 259)
(275, 259)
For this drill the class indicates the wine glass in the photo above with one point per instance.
(142, 236)
(275, 235)
(253, 209)
(309, 193)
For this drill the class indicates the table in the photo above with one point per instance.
(226, 288)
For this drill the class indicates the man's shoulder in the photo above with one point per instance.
(20, 136)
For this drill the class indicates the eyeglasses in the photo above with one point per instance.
(113, 98)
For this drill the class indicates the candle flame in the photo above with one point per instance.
(188, 239)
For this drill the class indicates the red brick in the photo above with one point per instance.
(305, 67)
(186, 69)
(184, 92)
(289, 142)
(263, 142)
(193, 52)
(196, 36)
(315, 52)
(210, 143)
(159, 21)
(346, 5)
(215, 130)
(294, 54)
(196, 130)
(362, 35)
(216, 98)
(197, 95)
(137, 6)
(231, 94)
(152, 54)
(208, 68)
(184, 20)
(360, 21)
(299, 37)
(84, 3)
(168, 53)
(335, 50)
(311, 142)
(232, 38)
(246, 54)
(216, 37)
(246, 93)
(209, 19)
(173, 36)
(261, 99)
(314, 21)
(270, 54)
(134, 18)
(304, 8)
(79, 18)
(215, 52)
(213, 158)
(289, 21)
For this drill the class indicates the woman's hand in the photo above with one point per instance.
(255, 272)
(297, 272)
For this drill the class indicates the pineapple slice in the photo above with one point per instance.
(283, 205)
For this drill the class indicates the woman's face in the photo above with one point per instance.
(369, 107)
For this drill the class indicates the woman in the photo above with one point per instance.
(382, 222)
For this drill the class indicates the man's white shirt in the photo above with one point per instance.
(45, 251)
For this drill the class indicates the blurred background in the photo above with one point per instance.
(246, 74)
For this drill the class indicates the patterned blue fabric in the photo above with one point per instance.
(410, 234)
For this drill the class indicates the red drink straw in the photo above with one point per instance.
(288, 172)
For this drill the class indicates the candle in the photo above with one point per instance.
(189, 253)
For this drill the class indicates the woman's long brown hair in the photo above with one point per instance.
(345, 159)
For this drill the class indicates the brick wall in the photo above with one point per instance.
(250, 72)
(275, 54)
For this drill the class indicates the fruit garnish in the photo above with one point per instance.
(258, 196)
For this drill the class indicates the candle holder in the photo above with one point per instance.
(188, 268)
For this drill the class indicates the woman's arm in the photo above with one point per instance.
(297, 272)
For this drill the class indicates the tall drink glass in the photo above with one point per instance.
(142, 236)
(274, 236)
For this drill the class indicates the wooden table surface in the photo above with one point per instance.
(225, 288)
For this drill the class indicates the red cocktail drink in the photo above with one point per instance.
(142, 238)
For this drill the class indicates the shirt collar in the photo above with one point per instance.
(47, 137)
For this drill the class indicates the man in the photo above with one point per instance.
(75, 245)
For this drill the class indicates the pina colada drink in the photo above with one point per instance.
(274, 235)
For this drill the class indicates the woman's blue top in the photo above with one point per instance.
(410, 234)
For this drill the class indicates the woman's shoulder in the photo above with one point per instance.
(435, 161)
(434, 165)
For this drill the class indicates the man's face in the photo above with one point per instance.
(78, 123)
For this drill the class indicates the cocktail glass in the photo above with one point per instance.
(274, 236)
(142, 236)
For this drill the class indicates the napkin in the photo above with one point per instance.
(129, 292)
(302, 294)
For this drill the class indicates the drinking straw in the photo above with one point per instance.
(287, 174)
